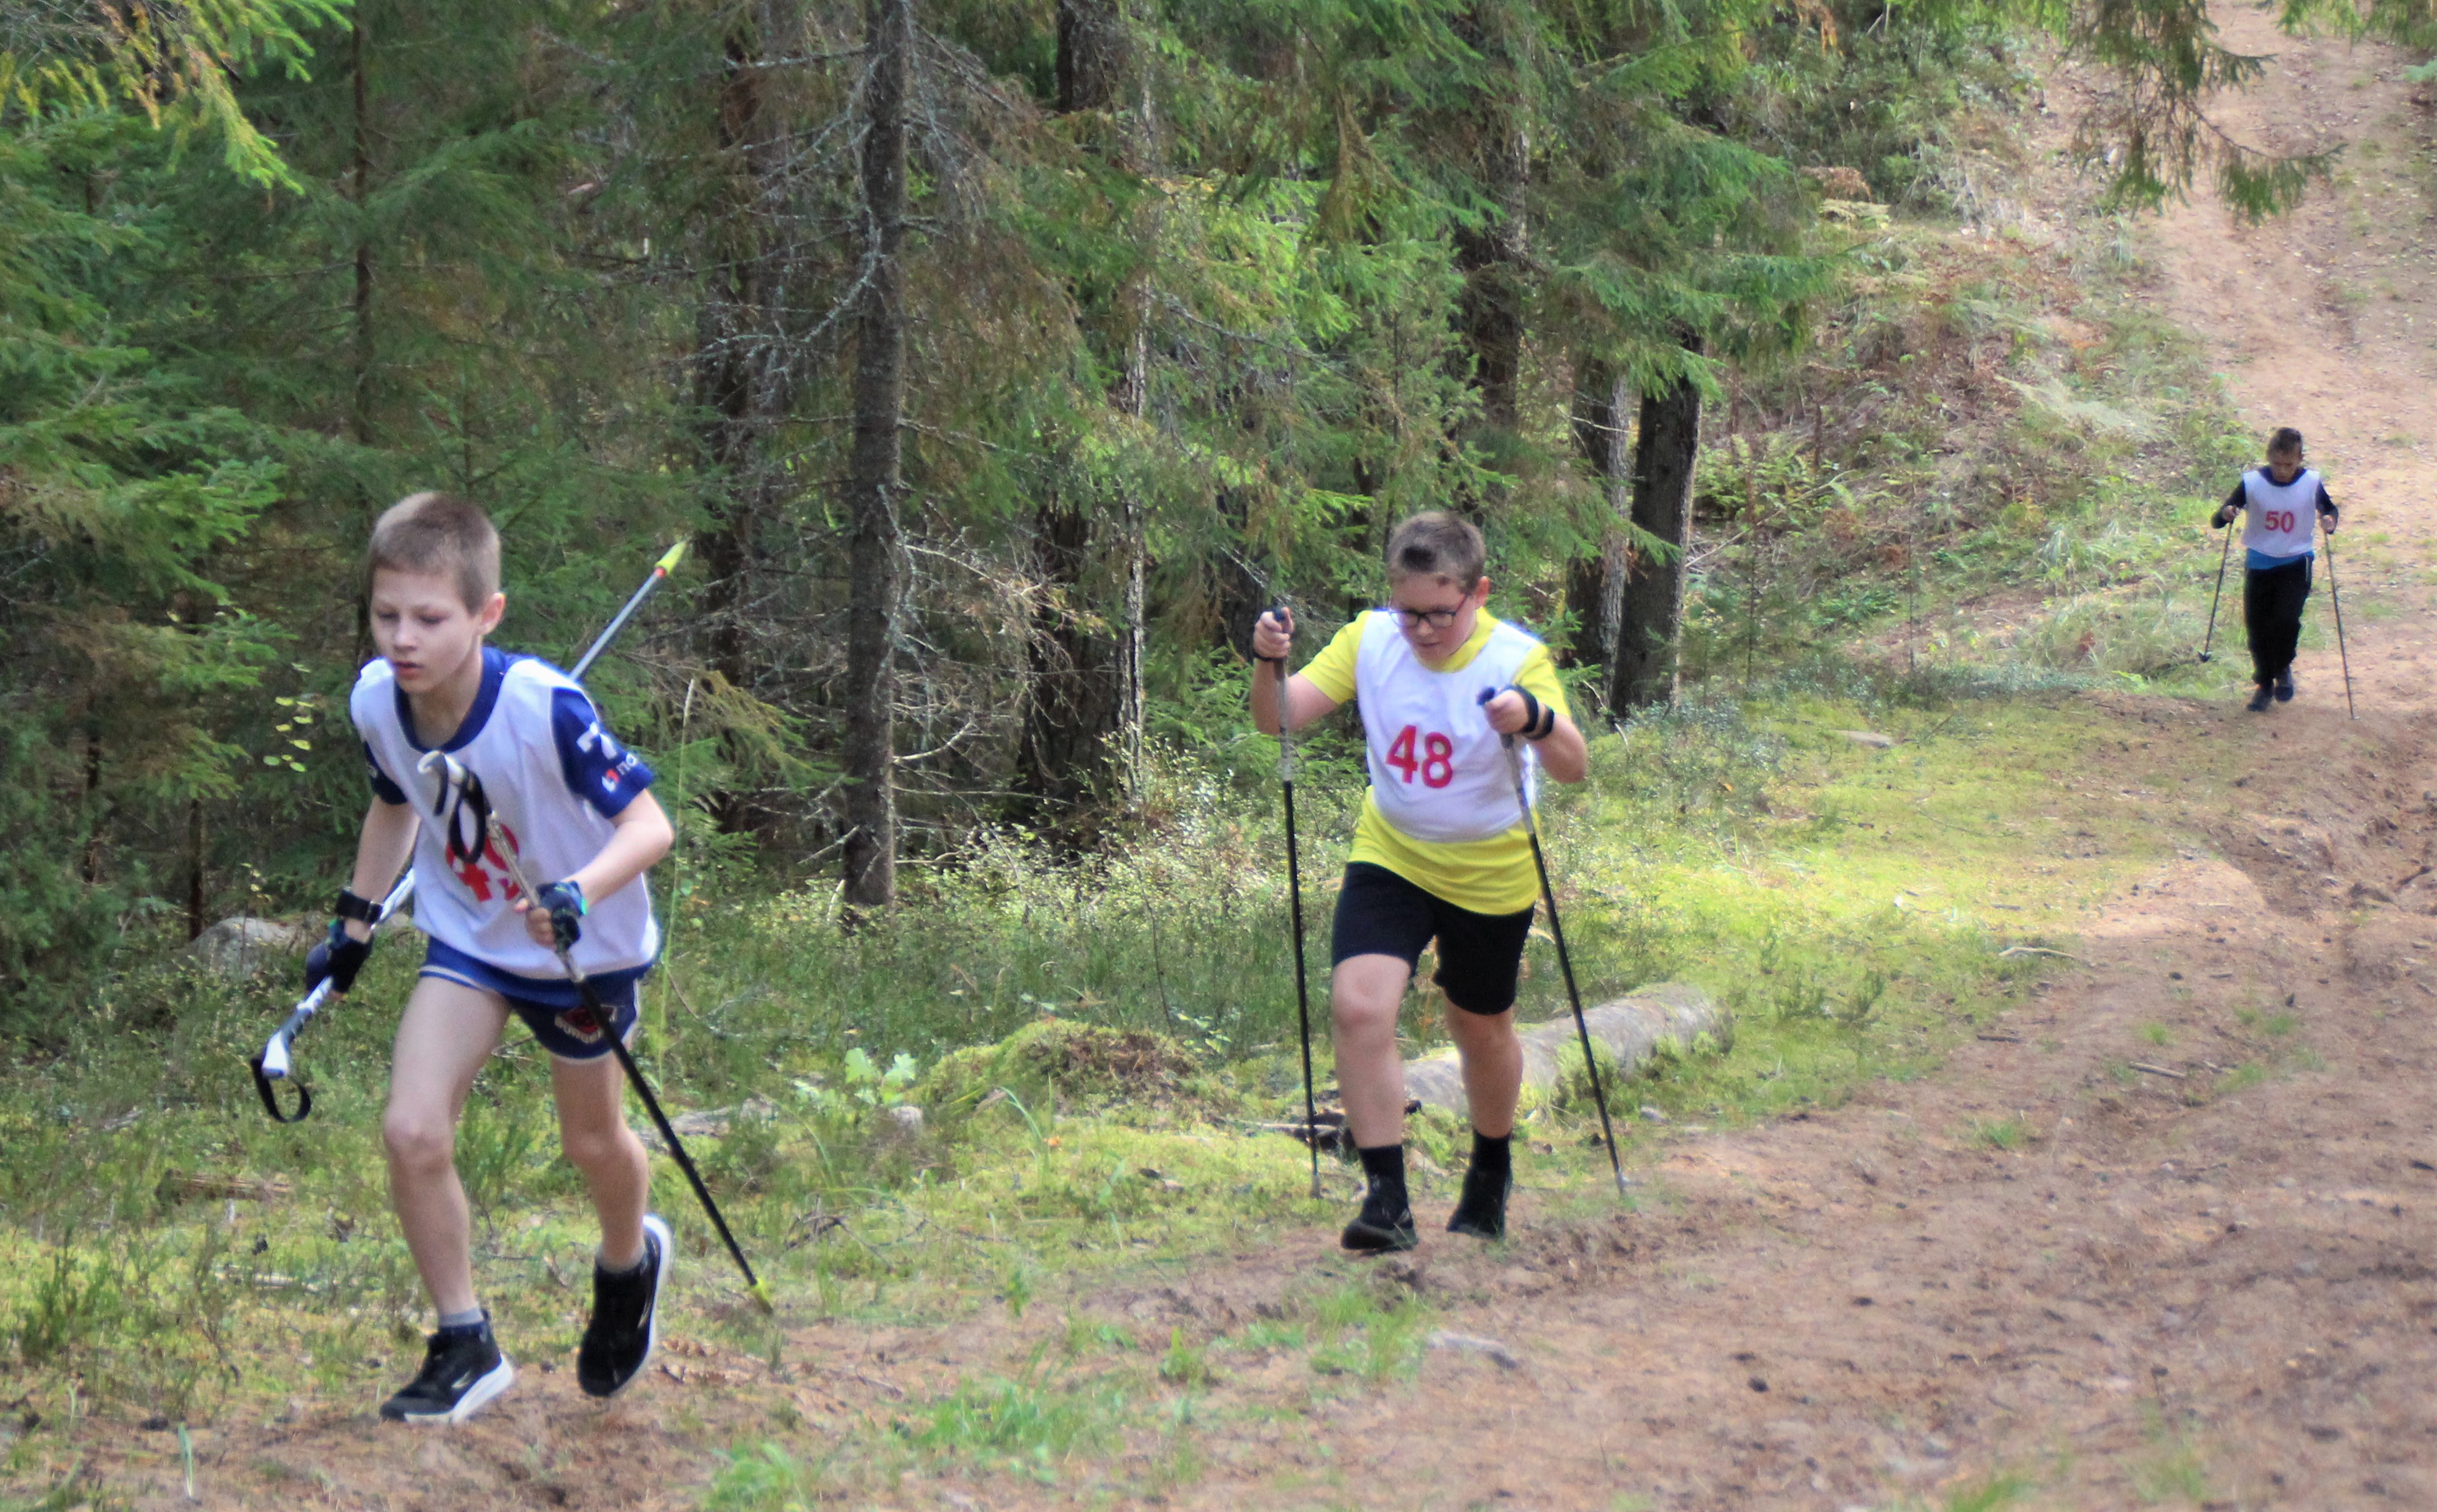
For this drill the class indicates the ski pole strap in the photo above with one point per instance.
(1539, 720)
(462, 809)
(270, 1098)
(358, 908)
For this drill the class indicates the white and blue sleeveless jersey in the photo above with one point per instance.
(555, 779)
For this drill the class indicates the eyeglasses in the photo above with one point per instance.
(1416, 618)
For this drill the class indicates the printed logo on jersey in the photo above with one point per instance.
(581, 1024)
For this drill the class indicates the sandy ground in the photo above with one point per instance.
(2176, 1287)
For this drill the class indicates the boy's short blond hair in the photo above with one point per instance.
(438, 533)
(1436, 544)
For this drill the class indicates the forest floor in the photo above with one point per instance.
(2166, 1235)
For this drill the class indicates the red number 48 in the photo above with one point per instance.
(1437, 762)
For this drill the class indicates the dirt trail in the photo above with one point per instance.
(2175, 1290)
(2075, 1253)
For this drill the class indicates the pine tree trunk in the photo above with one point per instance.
(740, 386)
(359, 404)
(873, 478)
(1489, 311)
(1594, 582)
(1644, 670)
(1082, 737)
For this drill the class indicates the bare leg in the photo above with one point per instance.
(444, 1037)
(1364, 993)
(592, 1130)
(1493, 1066)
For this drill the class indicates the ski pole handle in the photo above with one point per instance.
(660, 571)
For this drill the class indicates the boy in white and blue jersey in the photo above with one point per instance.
(576, 807)
(2284, 504)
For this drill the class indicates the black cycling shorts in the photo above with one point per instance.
(1480, 954)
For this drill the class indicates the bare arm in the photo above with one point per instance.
(643, 835)
(382, 853)
(1272, 643)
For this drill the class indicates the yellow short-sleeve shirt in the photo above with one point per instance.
(1492, 876)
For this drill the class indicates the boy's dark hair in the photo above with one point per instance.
(1438, 543)
(2286, 442)
(438, 533)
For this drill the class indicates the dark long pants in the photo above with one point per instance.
(2271, 612)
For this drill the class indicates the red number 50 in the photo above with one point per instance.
(2278, 519)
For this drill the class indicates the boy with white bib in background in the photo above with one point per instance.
(2285, 502)
(1439, 853)
(573, 802)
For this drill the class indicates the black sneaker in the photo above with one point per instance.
(625, 1326)
(1482, 1211)
(2285, 686)
(2259, 698)
(463, 1368)
(1378, 1231)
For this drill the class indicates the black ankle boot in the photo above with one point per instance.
(1482, 1211)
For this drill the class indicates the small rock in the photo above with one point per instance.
(1868, 738)
(1652, 1115)
(1758, 1384)
(156, 1424)
(241, 947)
(901, 1124)
(1467, 1344)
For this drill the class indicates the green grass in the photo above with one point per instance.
(1848, 903)
(2000, 1134)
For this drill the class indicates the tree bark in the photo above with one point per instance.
(1644, 670)
(727, 393)
(1082, 739)
(873, 471)
(1594, 582)
(360, 406)
(1489, 310)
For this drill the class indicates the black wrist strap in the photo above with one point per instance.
(361, 909)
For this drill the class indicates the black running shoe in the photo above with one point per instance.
(1482, 1211)
(625, 1326)
(1378, 1231)
(463, 1368)
(2285, 686)
(2259, 698)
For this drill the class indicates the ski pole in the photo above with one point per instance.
(1564, 958)
(461, 793)
(275, 1063)
(1294, 902)
(2222, 558)
(2335, 596)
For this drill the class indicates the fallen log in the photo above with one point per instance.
(1628, 1031)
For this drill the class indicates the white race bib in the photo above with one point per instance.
(2280, 520)
(1438, 771)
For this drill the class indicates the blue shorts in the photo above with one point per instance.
(553, 1008)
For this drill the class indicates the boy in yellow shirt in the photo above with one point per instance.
(1439, 853)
